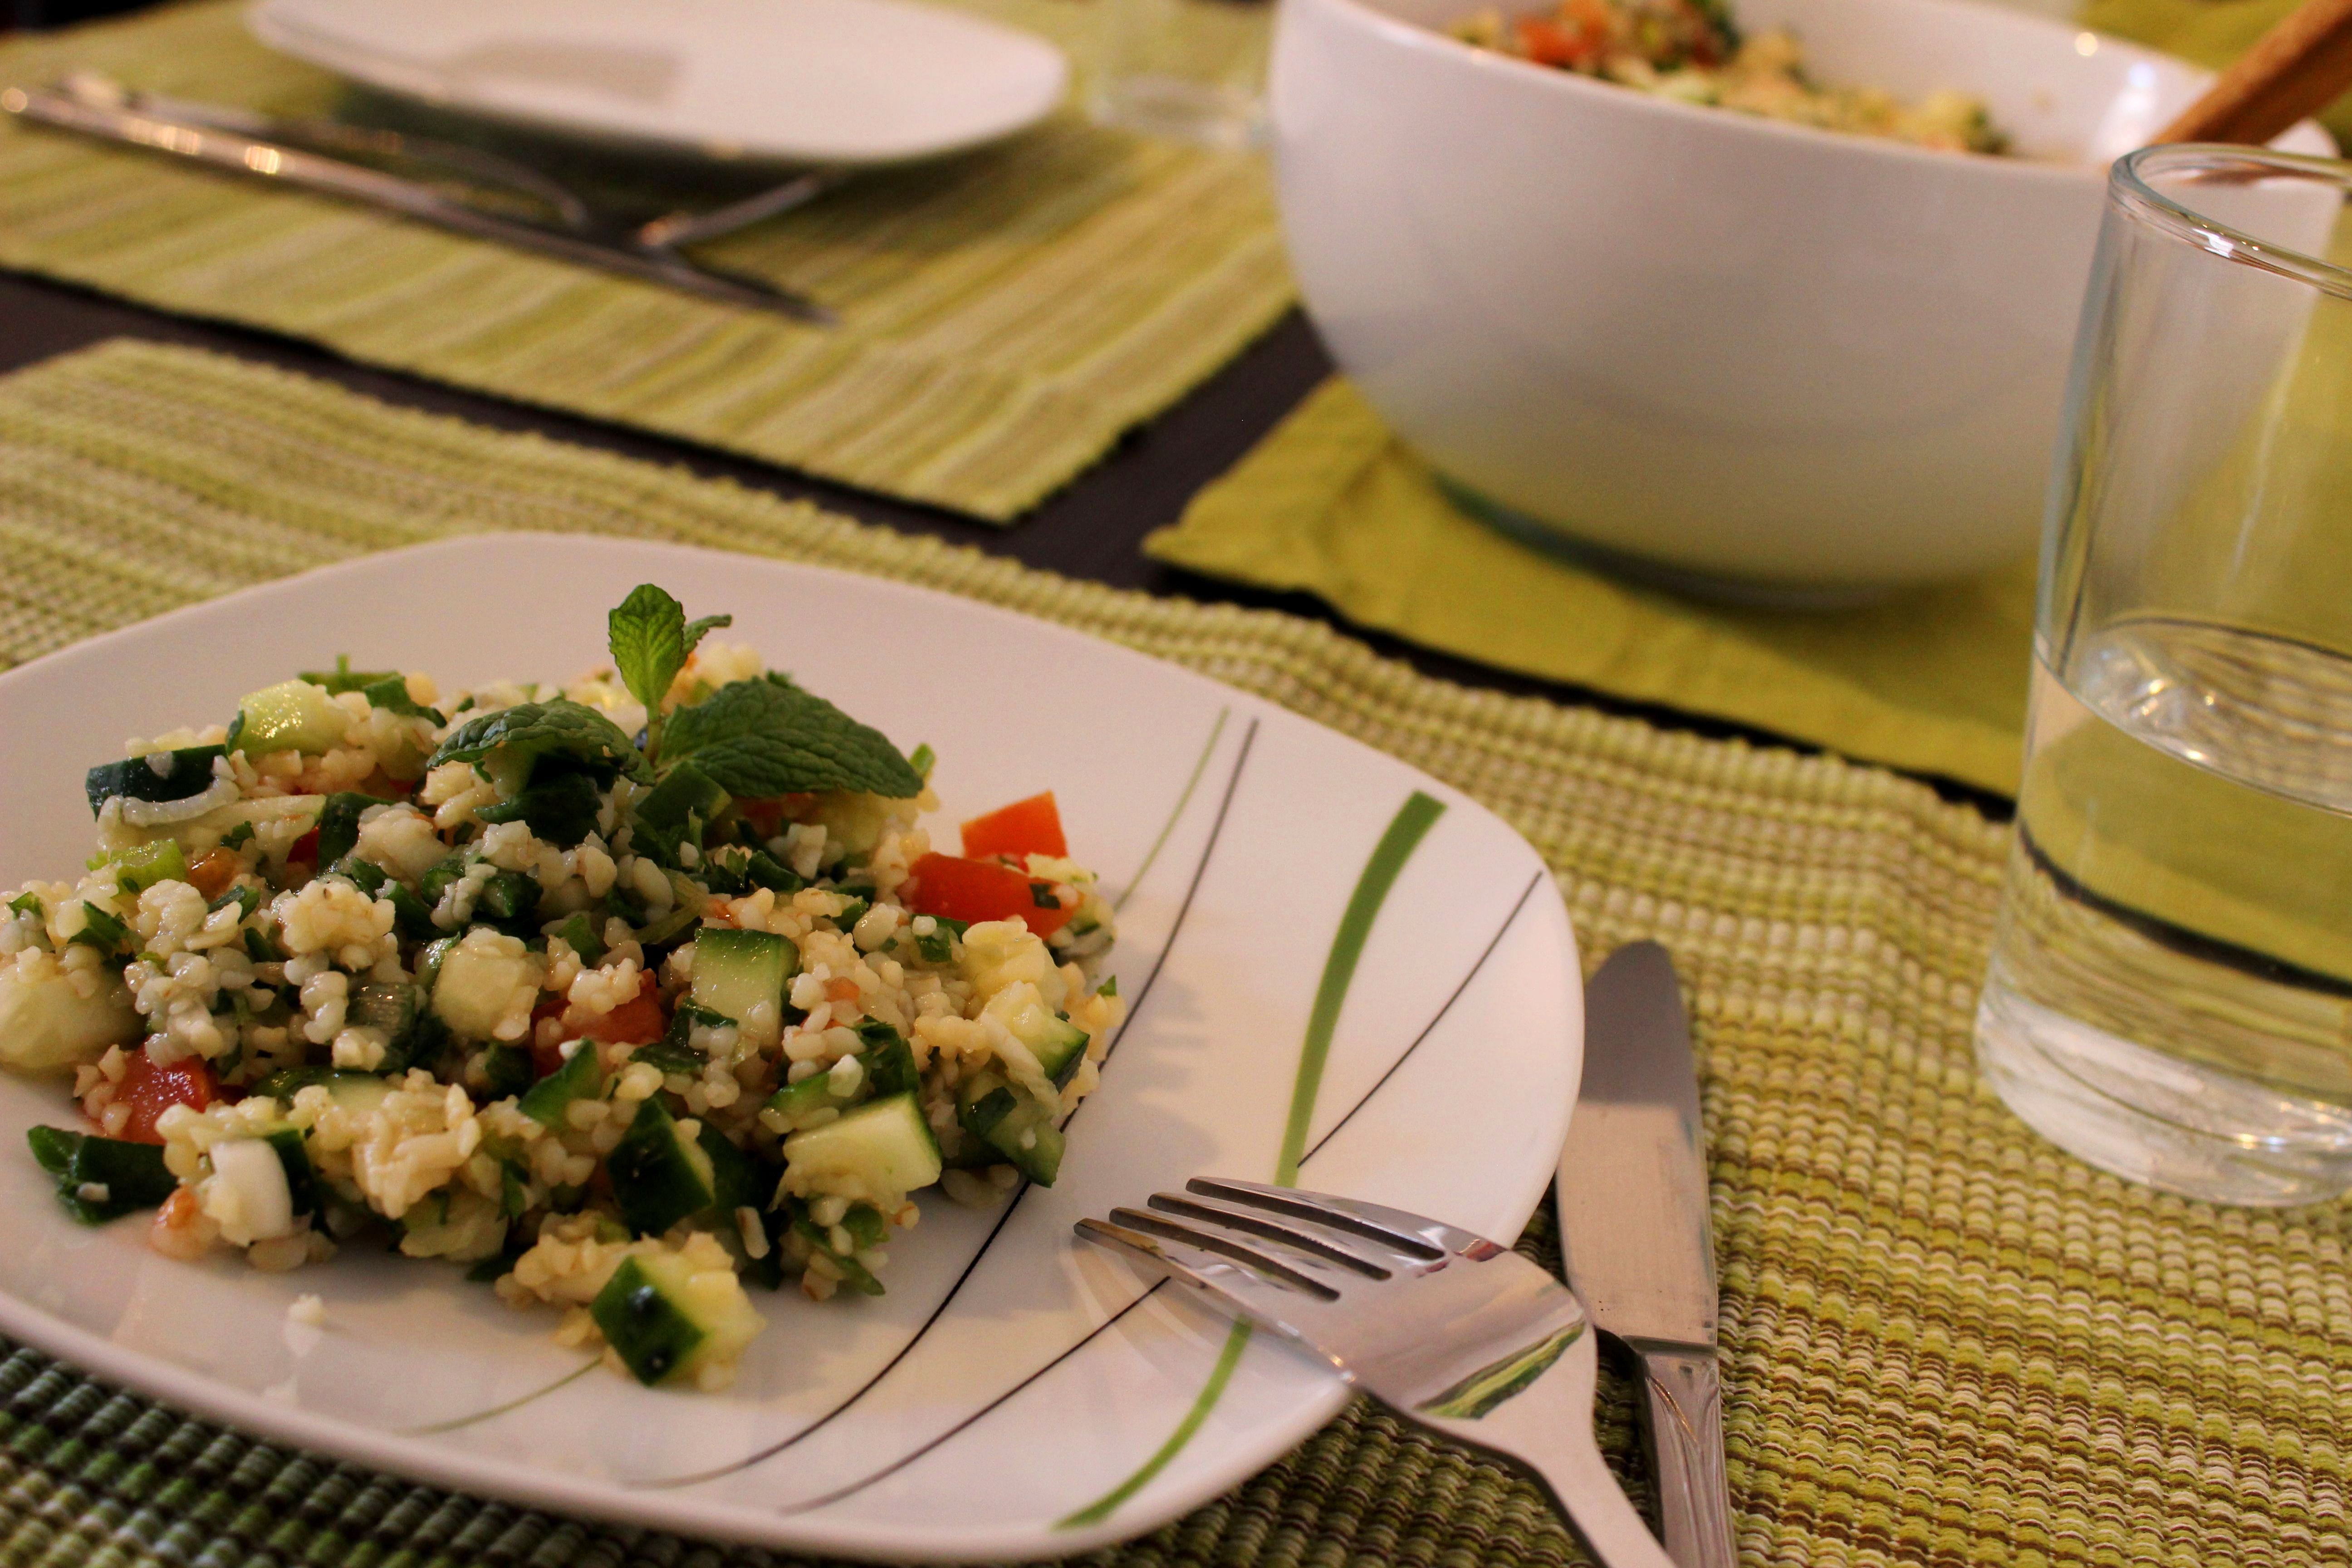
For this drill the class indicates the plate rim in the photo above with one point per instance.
(689, 1514)
(293, 37)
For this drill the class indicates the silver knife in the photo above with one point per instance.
(243, 153)
(1633, 1223)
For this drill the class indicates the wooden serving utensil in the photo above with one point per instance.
(2296, 69)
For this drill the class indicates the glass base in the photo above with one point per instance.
(1207, 114)
(2151, 1118)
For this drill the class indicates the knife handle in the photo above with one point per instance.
(1682, 1410)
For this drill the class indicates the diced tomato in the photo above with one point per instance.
(842, 990)
(212, 874)
(768, 816)
(306, 849)
(639, 1021)
(150, 1090)
(1026, 828)
(1549, 43)
(973, 890)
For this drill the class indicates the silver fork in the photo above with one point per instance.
(1447, 1329)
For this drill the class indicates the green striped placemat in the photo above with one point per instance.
(1005, 315)
(1946, 1343)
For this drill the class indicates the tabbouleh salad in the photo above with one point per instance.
(1693, 52)
(622, 995)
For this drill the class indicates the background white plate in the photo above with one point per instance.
(1010, 1378)
(815, 82)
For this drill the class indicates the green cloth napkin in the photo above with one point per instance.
(1332, 504)
(1006, 315)
(1945, 1342)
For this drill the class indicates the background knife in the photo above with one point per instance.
(1633, 1223)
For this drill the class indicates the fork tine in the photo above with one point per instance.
(1234, 1217)
(1230, 1248)
(1414, 1236)
(1238, 1290)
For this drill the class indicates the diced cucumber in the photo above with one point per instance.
(476, 984)
(254, 1173)
(854, 1274)
(878, 1150)
(798, 1104)
(741, 973)
(684, 793)
(359, 1093)
(430, 959)
(734, 1179)
(659, 1176)
(1013, 1122)
(233, 824)
(159, 776)
(99, 1178)
(647, 1317)
(1054, 1040)
(302, 1185)
(580, 1077)
(291, 716)
(143, 866)
(412, 1032)
(46, 1026)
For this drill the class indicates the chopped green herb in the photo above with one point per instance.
(99, 1178)
(938, 947)
(580, 937)
(247, 898)
(100, 929)
(339, 824)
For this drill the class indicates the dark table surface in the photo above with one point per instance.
(1093, 530)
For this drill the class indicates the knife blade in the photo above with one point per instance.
(1633, 1223)
(243, 153)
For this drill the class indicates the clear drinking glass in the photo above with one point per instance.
(2171, 991)
(1191, 69)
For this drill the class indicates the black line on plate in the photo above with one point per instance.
(1508, 920)
(1208, 850)
(1216, 831)
(891, 1469)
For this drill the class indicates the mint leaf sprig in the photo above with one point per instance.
(759, 739)
(651, 639)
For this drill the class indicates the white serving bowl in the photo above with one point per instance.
(1759, 358)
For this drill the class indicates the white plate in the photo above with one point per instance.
(813, 81)
(1010, 1378)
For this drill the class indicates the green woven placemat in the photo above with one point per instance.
(1945, 1342)
(1005, 315)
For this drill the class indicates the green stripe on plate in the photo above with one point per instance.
(1405, 831)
